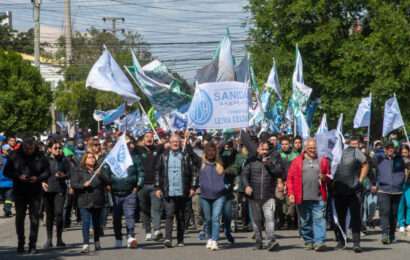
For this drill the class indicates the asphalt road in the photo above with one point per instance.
(291, 247)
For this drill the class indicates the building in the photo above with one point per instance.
(6, 19)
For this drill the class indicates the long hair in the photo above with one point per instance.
(82, 163)
(205, 160)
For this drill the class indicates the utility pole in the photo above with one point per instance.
(114, 20)
(36, 16)
(68, 33)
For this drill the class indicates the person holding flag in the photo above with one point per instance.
(89, 184)
(124, 189)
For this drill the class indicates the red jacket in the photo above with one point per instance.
(295, 180)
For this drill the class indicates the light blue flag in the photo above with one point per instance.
(363, 113)
(323, 125)
(119, 158)
(302, 128)
(392, 119)
(106, 75)
(310, 110)
(276, 117)
(265, 100)
(98, 115)
(114, 114)
(129, 122)
(273, 80)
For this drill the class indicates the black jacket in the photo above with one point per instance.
(93, 196)
(58, 184)
(262, 176)
(149, 157)
(188, 173)
(20, 164)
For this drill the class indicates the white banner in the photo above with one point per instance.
(219, 105)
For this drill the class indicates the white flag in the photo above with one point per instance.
(302, 126)
(106, 75)
(362, 117)
(298, 71)
(226, 66)
(340, 124)
(119, 159)
(323, 125)
(392, 116)
(273, 80)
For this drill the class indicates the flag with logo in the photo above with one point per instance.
(114, 114)
(119, 158)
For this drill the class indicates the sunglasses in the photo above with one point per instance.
(57, 148)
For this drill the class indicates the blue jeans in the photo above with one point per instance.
(87, 215)
(313, 221)
(212, 212)
(227, 217)
(403, 216)
(150, 208)
(124, 205)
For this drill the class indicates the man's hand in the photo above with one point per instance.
(248, 190)
(191, 193)
(23, 178)
(60, 175)
(323, 177)
(292, 199)
(158, 194)
(71, 191)
(373, 189)
(87, 184)
(33, 179)
(45, 186)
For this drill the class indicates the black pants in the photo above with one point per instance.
(351, 202)
(33, 203)
(388, 206)
(54, 206)
(70, 204)
(175, 206)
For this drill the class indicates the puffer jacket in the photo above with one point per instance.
(262, 176)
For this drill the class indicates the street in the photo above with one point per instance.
(291, 247)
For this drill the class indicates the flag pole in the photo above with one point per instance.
(149, 121)
(370, 123)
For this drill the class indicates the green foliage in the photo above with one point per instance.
(340, 63)
(24, 96)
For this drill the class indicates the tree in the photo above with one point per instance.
(349, 48)
(72, 97)
(25, 97)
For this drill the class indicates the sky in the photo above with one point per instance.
(158, 21)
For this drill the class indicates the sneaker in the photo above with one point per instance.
(60, 244)
(272, 246)
(32, 250)
(85, 249)
(47, 245)
(132, 243)
(209, 244)
(180, 244)
(357, 249)
(402, 230)
(385, 241)
(168, 243)
(148, 237)
(309, 246)
(20, 248)
(340, 246)
(320, 247)
(118, 243)
(157, 235)
(230, 239)
(97, 245)
(408, 228)
(214, 246)
(259, 245)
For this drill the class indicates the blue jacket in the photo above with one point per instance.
(4, 181)
(390, 174)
